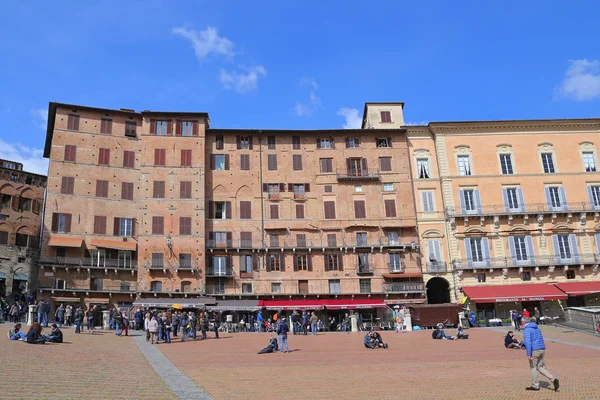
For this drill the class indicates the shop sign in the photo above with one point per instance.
(517, 299)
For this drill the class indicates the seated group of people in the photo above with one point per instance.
(439, 333)
(373, 340)
(34, 335)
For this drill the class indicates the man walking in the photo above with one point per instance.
(282, 331)
(536, 348)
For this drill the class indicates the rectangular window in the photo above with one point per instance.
(158, 225)
(334, 286)
(219, 162)
(564, 248)
(363, 263)
(296, 142)
(548, 163)
(299, 211)
(246, 264)
(423, 168)
(506, 164)
(480, 277)
(273, 190)
(160, 157)
(464, 165)
(245, 210)
(388, 187)
(361, 239)
(158, 260)
(352, 143)
(520, 248)
(476, 249)
(187, 128)
(469, 200)
(355, 166)
(390, 208)
(393, 238)
(273, 240)
(161, 128)
(297, 162)
(383, 142)
(325, 144)
(326, 165)
(588, 162)
(331, 240)
(301, 261)
(128, 159)
(3, 237)
(360, 209)
(301, 240)
(155, 286)
(245, 162)
(125, 227)
(274, 211)
(395, 262)
(274, 262)
(185, 260)
(221, 239)
(365, 285)
(70, 153)
(275, 287)
(299, 190)
(512, 199)
(186, 158)
(101, 188)
(104, 157)
(358, 188)
(427, 200)
(126, 190)
(185, 190)
(246, 239)
(386, 117)
(219, 142)
(329, 209)
(159, 190)
(68, 185)
(243, 142)
(328, 189)
(526, 275)
(61, 223)
(594, 195)
(106, 126)
(272, 162)
(554, 197)
(130, 128)
(219, 209)
(73, 122)
(185, 225)
(99, 225)
(385, 164)
(271, 143)
(570, 274)
(332, 262)
(6, 200)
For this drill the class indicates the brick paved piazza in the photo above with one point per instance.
(329, 366)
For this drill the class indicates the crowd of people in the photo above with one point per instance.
(15, 309)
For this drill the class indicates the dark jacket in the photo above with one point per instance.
(533, 338)
(367, 340)
(56, 335)
(283, 328)
(33, 335)
(508, 340)
(139, 317)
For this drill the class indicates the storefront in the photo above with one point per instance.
(493, 302)
(581, 294)
(234, 311)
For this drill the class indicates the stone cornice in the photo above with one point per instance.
(515, 126)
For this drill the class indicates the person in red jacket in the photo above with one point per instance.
(526, 313)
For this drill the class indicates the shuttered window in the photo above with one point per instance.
(271, 142)
(297, 162)
(68, 185)
(100, 225)
(130, 127)
(219, 145)
(127, 191)
(186, 158)
(106, 126)
(101, 188)
(185, 225)
(128, 159)
(390, 208)
(299, 211)
(158, 225)
(296, 142)
(272, 162)
(159, 190)
(70, 153)
(61, 223)
(427, 201)
(104, 156)
(160, 157)
(331, 240)
(329, 209)
(245, 209)
(246, 240)
(274, 208)
(185, 189)
(386, 116)
(245, 162)
(326, 165)
(359, 209)
(385, 163)
(73, 122)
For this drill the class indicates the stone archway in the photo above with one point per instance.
(438, 291)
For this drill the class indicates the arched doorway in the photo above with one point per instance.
(438, 291)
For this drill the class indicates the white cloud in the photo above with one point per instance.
(314, 101)
(40, 117)
(242, 82)
(352, 117)
(422, 123)
(32, 159)
(206, 42)
(581, 82)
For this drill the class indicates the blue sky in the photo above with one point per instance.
(295, 64)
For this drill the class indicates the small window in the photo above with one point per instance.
(324, 144)
(125, 227)
(328, 189)
(570, 274)
(130, 127)
(219, 142)
(102, 188)
(273, 190)
(126, 190)
(159, 190)
(271, 143)
(70, 153)
(388, 187)
(161, 128)
(506, 164)
(428, 203)
(246, 264)
(526, 275)
(386, 117)
(156, 286)
(299, 191)
(187, 128)
(274, 261)
(185, 190)
(326, 165)
(423, 168)
(68, 185)
(297, 162)
(358, 188)
(13, 177)
(464, 166)
(332, 262)
(589, 162)
(365, 285)
(220, 210)
(246, 288)
(334, 286)
(331, 240)
(548, 163)
(245, 162)
(158, 260)
(383, 142)
(301, 262)
(273, 240)
(352, 143)
(296, 142)
(272, 162)
(185, 226)
(480, 277)
(276, 287)
(73, 122)
(186, 286)
(219, 161)
(244, 142)
(106, 126)
(385, 164)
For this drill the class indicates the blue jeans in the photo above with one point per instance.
(40, 317)
(45, 319)
(77, 327)
(20, 335)
(283, 342)
(61, 320)
(167, 335)
(118, 329)
(313, 328)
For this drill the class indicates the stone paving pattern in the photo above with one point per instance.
(336, 365)
(85, 367)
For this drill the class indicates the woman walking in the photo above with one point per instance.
(146, 327)
(166, 322)
(153, 329)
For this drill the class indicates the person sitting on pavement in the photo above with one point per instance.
(273, 346)
(460, 333)
(511, 342)
(439, 333)
(34, 336)
(378, 340)
(373, 340)
(16, 334)
(55, 336)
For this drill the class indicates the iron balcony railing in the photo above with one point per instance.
(533, 261)
(404, 287)
(94, 286)
(357, 175)
(157, 264)
(88, 262)
(225, 272)
(527, 208)
(436, 266)
(185, 265)
(234, 244)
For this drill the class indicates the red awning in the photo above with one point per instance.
(513, 293)
(579, 288)
(319, 304)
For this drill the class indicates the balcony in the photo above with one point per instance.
(357, 175)
(436, 266)
(242, 244)
(219, 272)
(215, 289)
(404, 287)
(95, 286)
(534, 261)
(187, 265)
(87, 262)
(157, 265)
(528, 208)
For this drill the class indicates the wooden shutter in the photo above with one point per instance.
(329, 209)
(186, 158)
(291, 187)
(274, 211)
(249, 142)
(170, 127)
(238, 142)
(106, 126)
(212, 162)
(281, 187)
(295, 262)
(307, 187)
(244, 162)
(265, 187)
(116, 226)
(15, 203)
(318, 143)
(177, 127)
(385, 163)
(219, 142)
(64, 185)
(309, 261)
(185, 225)
(325, 262)
(195, 128)
(67, 223)
(255, 265)
(245, 210)
(390, 208)
(55, 222)
(98, 225)
(349, 166)
(229, 237)
(153, 127)
(125, 159)
(332, 141)
(340, 258)
(390, 139)
(226, 161)
(227, 210)
(359, 209)
(299, 211)
(365, 167)
(98, 188)
(282, 262)
(211, 209)
(347, 141)
(297, 161)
